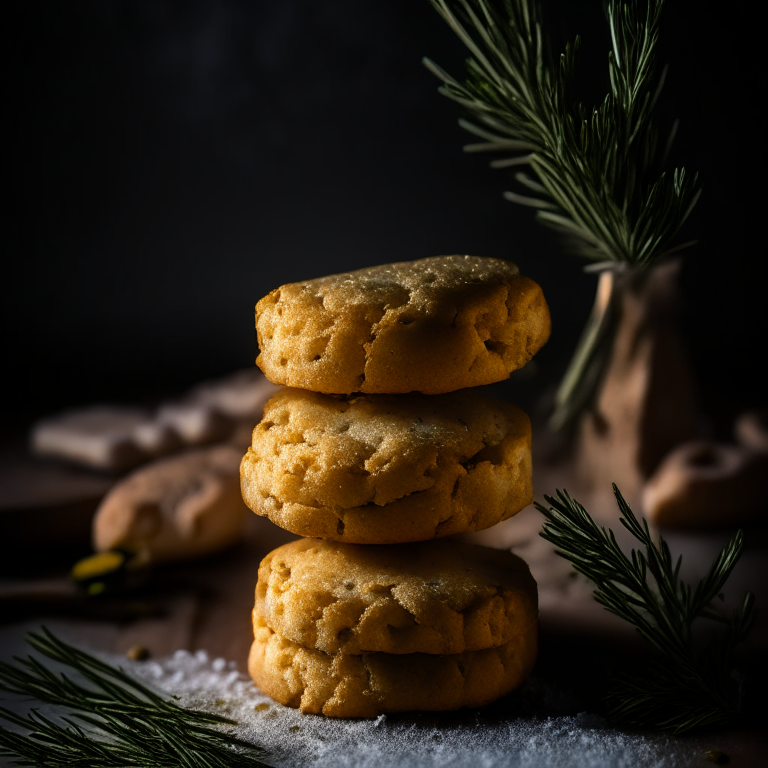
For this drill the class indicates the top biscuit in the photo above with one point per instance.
(433, 325)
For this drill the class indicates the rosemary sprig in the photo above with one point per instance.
(681, 689)
(112, 720)
(597, 174)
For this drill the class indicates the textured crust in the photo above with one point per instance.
(345, 685)
(386, 470)
(438, 597)
(434, 325)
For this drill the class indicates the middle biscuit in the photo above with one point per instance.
(380, 469)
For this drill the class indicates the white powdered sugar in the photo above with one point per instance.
(471, 738)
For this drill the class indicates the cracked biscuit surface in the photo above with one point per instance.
(348, 685)
(434, 325)
(437, 597)
(383, 469)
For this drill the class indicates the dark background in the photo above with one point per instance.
(168, 163)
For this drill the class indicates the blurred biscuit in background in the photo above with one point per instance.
(175, 508)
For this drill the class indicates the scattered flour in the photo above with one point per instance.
(471, 739)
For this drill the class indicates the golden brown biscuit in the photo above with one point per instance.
(175, 508)
(433, 325)
(439, 597)
(383, 469)
(346, 685)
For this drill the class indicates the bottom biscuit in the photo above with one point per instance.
(346, 685)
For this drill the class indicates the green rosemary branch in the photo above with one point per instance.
(596, 174)
(599, 174)
(681, 689)
(112, 720)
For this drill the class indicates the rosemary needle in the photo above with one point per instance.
(111, 720)
(682, 689)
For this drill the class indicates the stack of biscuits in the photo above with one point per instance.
(375, 450)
